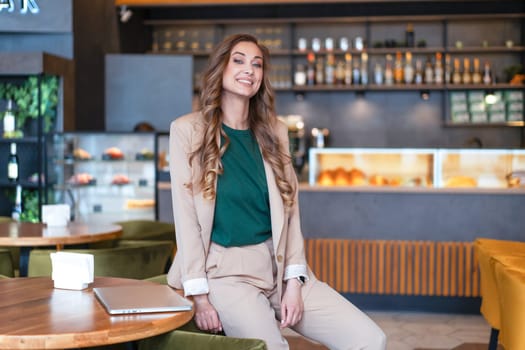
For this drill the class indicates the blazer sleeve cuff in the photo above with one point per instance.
(196, 286)
(294, 271)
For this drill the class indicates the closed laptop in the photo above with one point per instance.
(145, 298)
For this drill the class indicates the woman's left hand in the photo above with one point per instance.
(292, 306)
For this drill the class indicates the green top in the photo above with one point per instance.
(242, 205)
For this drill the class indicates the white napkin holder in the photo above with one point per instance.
(56, 214)
(72, 270)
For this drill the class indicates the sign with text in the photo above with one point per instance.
(25, 6)
(36, 16)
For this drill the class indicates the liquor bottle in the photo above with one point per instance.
(17, 208)
(310, 69)
(476, 74)
(348, 69)
(466, 77)
(409, 69)
(456, 74)
(9, 120)
(389, 74)
(487, 75)
(364, 68)
(319, 71)
(356, 72)
(418, 77)
(448, 70)
(429, 72)
(12, 164)
(340, 72)
(398, 69)
(438, 69)
(378, 74)
(409, 35)
(329, 69)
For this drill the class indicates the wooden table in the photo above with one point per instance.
(27, 235)
(37, 316)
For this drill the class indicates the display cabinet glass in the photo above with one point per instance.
(105, 177)
(481, 168)
(425, 168)
(371, 167)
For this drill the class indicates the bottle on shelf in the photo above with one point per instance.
(438, 69)
(456, 74)
(340, 72)
(17, 208)
(476, 73)
(364, 68)
(448, 70)
(310, 69)
(329, 73)
(378, 74)
(9, 120)
(389, 73)
(356, 72)
(408, 69)
(300, 75)
(487, 74)
(398, 69)
(466, 78)
(12, 164)
(319, 71)
(348, 69)
(418, 75)
(429, 71)
(409, 35)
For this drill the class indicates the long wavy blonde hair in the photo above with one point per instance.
(261, 119)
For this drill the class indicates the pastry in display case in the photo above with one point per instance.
(481, 168)
(371, 167)
(105, 177)
(424, 168)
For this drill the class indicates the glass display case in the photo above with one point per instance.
(105, 177)
(426, 168)
(481, 168)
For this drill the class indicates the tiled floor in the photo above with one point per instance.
(413, 330)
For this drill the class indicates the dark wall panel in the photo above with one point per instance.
(55, 16)
(155, 89)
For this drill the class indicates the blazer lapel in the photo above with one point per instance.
(276, 205)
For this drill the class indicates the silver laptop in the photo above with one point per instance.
(141, 299)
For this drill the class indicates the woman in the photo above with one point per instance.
(240, 247)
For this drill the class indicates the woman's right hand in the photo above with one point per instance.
(206, 317)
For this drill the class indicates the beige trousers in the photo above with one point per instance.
(243, 291)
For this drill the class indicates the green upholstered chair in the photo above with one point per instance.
(128, 259)
(147, 230)
(6, 263)
(150, 230)
(15, 251)
(190, 337)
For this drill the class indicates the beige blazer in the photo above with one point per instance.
(194, 215)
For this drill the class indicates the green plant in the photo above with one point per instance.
(25, 96)
(30, 206)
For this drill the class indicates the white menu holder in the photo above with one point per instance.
(56, 214)
(72, 270)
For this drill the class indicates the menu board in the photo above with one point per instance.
(475, 107)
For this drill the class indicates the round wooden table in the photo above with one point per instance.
(27, 235)
(35, 315)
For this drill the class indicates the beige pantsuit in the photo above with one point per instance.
(245, 284)
(328, 317)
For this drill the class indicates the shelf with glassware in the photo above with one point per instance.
(297, 47)
(490, 170)
(105, 176)
(35, 97)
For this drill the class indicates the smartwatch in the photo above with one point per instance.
(301, 279)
